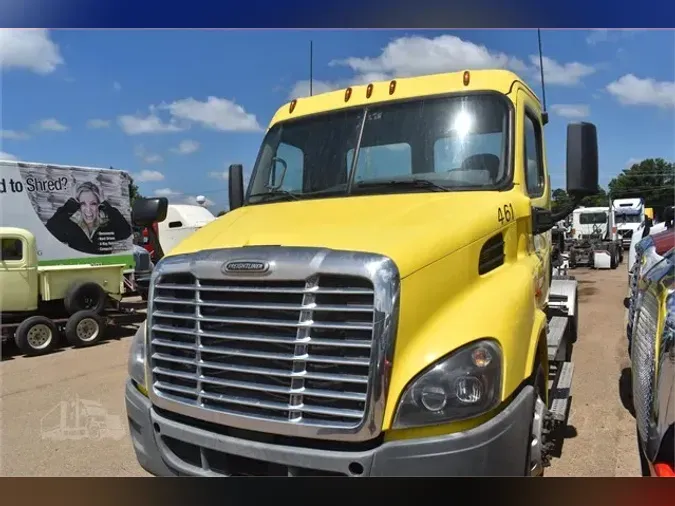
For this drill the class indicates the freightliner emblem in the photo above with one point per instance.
(246, 266)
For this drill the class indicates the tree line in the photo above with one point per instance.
(653, 179)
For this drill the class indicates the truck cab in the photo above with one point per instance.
(377, 303)
(18, 271)
(629, 214)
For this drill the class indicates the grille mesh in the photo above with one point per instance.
(292, 351)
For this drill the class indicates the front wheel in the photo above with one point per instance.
(36, 335)
(535, 451)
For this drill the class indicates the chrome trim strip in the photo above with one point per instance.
(294, 263)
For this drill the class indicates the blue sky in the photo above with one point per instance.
(175, 108)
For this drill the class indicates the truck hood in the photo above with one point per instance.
(413, 229)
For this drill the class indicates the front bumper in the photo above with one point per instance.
(168, 447)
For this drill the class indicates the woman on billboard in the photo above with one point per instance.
(88, 223)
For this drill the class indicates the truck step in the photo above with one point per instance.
(556, 331)
(560, 394)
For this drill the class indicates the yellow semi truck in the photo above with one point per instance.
(379, 302)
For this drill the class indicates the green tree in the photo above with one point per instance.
(652, 179)
(600, 199)
(560, 200)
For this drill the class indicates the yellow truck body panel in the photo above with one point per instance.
(434, 239)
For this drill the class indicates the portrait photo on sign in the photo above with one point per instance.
(87, 210)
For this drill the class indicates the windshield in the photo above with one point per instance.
(454, 142)
(628, 218)
(592, 218)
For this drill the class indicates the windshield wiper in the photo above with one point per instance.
(276, 194)
(405, 183)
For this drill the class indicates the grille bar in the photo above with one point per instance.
(294, 351)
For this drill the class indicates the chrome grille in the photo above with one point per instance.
(288, 351)
(643, 360)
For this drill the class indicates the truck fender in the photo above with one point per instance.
(538, 350)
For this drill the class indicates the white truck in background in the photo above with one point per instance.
(182, 220)
(595, 241)
(628, 215)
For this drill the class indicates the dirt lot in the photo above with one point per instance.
(41, 394)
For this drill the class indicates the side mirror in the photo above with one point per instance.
(648, 226)
(669, 214)
(236, 186)
(542, 220)
(145, 212)
(582, 159)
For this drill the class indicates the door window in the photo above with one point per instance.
(11, 250)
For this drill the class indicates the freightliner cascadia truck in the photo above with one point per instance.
(379, 301)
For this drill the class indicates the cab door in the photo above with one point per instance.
(18, 276)
(535, 184)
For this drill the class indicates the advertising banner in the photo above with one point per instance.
(78, 215)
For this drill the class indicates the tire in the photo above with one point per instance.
(85, 296)
(540, 384)
(36, 335)
(614, 256)
(84, 328)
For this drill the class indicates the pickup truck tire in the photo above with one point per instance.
(85, 296)
(37, 335)
(84, 328)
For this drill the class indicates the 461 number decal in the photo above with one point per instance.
(505, 214)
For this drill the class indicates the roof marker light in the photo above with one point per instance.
(466, 78)
(348, 94)
(392, 87)
(292, 107)
(369, 90)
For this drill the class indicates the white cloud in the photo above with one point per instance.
(599, 35)
(149, 158)
(186, 147)
(14, 135)
(411, 56)
(565, 74)
(223, 174)
(632, 90)
(215, 113)
(146, 176)
(166, 192)
(117, 86)
(7, 156)
(51, 125)
(572, 111)
(29, 49)
(150, 124)
(416, 55)
(98, 123)
(301, 88)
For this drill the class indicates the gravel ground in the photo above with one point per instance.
(37, 392)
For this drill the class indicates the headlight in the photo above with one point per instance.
(136, 364)
(464, 384)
